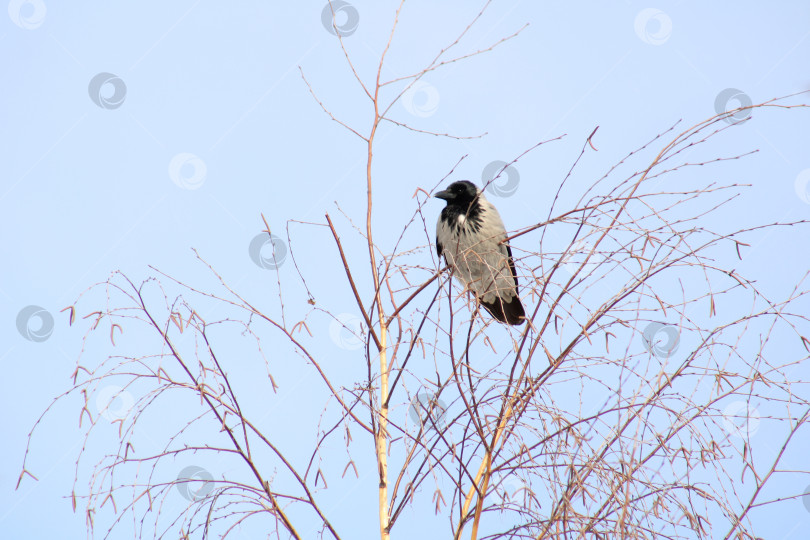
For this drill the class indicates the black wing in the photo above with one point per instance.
(511, 264)
(439, 249)
(508, 312)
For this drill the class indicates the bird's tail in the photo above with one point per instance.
(507, 312)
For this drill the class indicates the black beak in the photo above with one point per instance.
(446, 195)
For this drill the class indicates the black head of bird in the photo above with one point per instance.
(462, 192)
(472, 238)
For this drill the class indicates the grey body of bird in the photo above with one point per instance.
(470, 234)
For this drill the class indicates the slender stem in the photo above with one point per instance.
(366, 316)
(265, 485)
(382, 438)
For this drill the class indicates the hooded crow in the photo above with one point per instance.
(470, 235)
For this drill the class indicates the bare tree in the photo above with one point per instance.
(563, 428)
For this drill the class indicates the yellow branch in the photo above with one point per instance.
(382, 435)
(484, 472)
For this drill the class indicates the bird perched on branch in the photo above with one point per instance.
(470, 235)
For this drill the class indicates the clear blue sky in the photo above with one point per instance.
(208, 123)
